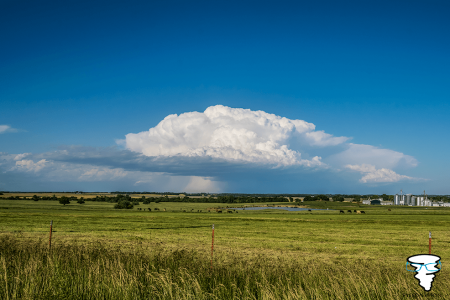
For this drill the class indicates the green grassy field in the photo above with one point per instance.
(268, 254)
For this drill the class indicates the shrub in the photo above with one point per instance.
(124, 204)
(338, 198)
(64, 200)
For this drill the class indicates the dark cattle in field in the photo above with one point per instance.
(309, 210)
(349, 211)
(389, 209)
(362, 212)
(354, 210)
(341, 211)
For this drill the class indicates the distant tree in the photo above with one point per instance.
(64, 200)
(135, 202)
(385, 197)
(81, 201)
(54, 197)
(308, 198)
(357, 198)
(338, 198)
(123, 204)
(35, 198)
(322, 197)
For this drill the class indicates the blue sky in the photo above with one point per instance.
(79, 80)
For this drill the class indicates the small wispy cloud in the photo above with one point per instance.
(372, 174)
(30, 166)
(7, 128)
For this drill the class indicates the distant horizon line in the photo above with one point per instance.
(207, 193)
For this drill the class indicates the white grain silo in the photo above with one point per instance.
(420, 201)
(408, 199)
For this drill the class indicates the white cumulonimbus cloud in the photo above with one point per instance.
(372, 174)
(208, 151)
(233, 134)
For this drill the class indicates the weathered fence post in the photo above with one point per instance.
(429, 242)
(212, 246)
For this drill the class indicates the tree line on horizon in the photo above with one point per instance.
(223, 198)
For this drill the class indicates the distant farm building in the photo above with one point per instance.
(376, 202)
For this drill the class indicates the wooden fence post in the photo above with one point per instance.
(212, 246)
(50, 237)
(429, 242)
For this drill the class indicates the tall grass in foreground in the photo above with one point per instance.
(28, 270)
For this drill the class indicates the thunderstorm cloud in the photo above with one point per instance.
(233, 134)
(216, 150)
